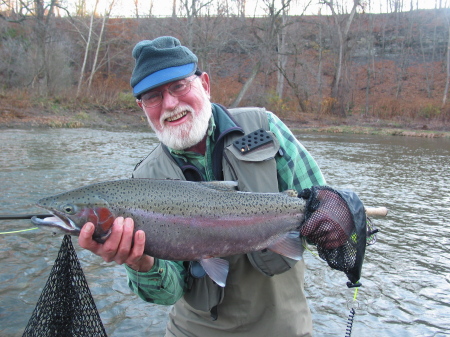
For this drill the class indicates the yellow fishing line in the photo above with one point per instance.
(19, 231)
(355, 295)
(309, 250)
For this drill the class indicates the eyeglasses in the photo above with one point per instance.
(179, 88)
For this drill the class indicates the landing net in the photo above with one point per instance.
(336, 223)
(65, 307)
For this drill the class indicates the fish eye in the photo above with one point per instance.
(69, 209)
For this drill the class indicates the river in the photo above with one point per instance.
(405, 277)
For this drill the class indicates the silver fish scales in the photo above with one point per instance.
(183, 220)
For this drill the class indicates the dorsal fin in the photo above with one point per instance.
(221, 185)
(291, 193)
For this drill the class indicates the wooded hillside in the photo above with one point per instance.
(379, 65)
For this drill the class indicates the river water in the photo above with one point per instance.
(406, 274)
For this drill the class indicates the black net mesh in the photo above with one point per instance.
(336, 224)
(66, 306)
(372, 231)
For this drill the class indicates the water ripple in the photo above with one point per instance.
(406, 275)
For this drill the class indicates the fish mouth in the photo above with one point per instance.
(61, 223)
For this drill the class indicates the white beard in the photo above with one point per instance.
(189, 133)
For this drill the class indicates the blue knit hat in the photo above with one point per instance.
(160, 61)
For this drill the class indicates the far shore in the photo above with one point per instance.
(134, 119)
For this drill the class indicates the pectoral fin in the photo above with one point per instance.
(217, 269)
(289, 245)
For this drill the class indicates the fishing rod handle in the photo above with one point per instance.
(376, 211)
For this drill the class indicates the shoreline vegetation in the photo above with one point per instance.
(132, 118)
(386, 74)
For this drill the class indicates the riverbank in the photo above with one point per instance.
(132, 118)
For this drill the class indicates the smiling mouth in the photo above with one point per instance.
(177, 116)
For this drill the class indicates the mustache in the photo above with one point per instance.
(171, 113)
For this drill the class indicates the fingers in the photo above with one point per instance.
(85, 238)
(137, 260)
(138, 248)
(119, 246)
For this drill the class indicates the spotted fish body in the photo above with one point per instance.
(182, 220)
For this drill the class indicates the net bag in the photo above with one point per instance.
(66, 306)
(335, 221)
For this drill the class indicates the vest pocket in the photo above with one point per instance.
(204, 294)
(254, 171)
(262, 153)
(270, 263)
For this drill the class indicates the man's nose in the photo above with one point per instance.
(169, 102)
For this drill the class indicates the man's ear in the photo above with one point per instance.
(204, 78)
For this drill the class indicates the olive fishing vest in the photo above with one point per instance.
(264, 294)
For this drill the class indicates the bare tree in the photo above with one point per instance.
(297, 77)
(80, 6)
(342, 23)
(447, 79)
(136, 8)
(42, 14)
(241, 4)
(282, 52)
(99, 43)
(86, 50)
(428, 76)
(246, 85)
(192, 10)
(405, 39)
(150, 8)
(320, 60)
(268, 44)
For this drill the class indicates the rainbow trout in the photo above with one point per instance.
(184, 221)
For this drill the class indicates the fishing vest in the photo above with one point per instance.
(269, 285)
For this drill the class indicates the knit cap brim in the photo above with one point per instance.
(164, 76)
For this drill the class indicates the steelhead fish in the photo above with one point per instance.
(184, 221)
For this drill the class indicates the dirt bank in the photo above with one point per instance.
(32, 117)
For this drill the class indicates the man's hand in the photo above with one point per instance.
(120, 246)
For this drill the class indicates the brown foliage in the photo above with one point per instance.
(402, 78)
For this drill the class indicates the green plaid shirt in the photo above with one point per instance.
(296, 169)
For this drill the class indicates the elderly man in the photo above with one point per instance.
(264, 293)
